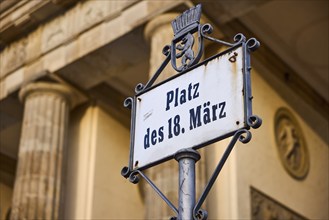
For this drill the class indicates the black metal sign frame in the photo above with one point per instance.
(185, 27)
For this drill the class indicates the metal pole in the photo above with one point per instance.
(186, 198)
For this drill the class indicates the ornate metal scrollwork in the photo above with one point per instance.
(133, 177)
(201, 215)
(242, 138)
(253, 44)
(128, 102)
(125, 172)
(254, 121)
(139, 87)
(238, 38)
(166, 50)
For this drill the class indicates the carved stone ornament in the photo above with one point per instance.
(16, 55)
(291, 144)
(265, 208)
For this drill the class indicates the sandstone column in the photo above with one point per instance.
(40, 160)
(158, 32)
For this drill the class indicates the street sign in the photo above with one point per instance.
(190, 110)
(203, 103)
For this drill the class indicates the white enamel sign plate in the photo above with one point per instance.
(196, 108)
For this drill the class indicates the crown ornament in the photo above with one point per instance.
(187, 21)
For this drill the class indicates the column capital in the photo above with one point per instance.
(37, 88)
(157, 23)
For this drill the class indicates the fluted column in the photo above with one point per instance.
(158, 32)
(40, 160)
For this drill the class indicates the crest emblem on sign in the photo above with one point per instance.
(184, 26)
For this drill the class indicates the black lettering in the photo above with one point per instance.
(206, 113)
(170, 98)
(221, 106)
(190, 92)
(182, 96)
(161, 136)
(195, 119)
(170, 135)
(147, 139)
(214, 108)
(176, 125)
(176, 97)
(154, 137)
(196, 92)
(179, 97)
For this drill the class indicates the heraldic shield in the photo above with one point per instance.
(184, 26)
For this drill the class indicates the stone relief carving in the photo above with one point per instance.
(16, 55)
(265, 208)
(291, 145)
(53, 35)
(93, 15)
(93, 12)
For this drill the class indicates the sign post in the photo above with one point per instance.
(203, 103)
(186, 194)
